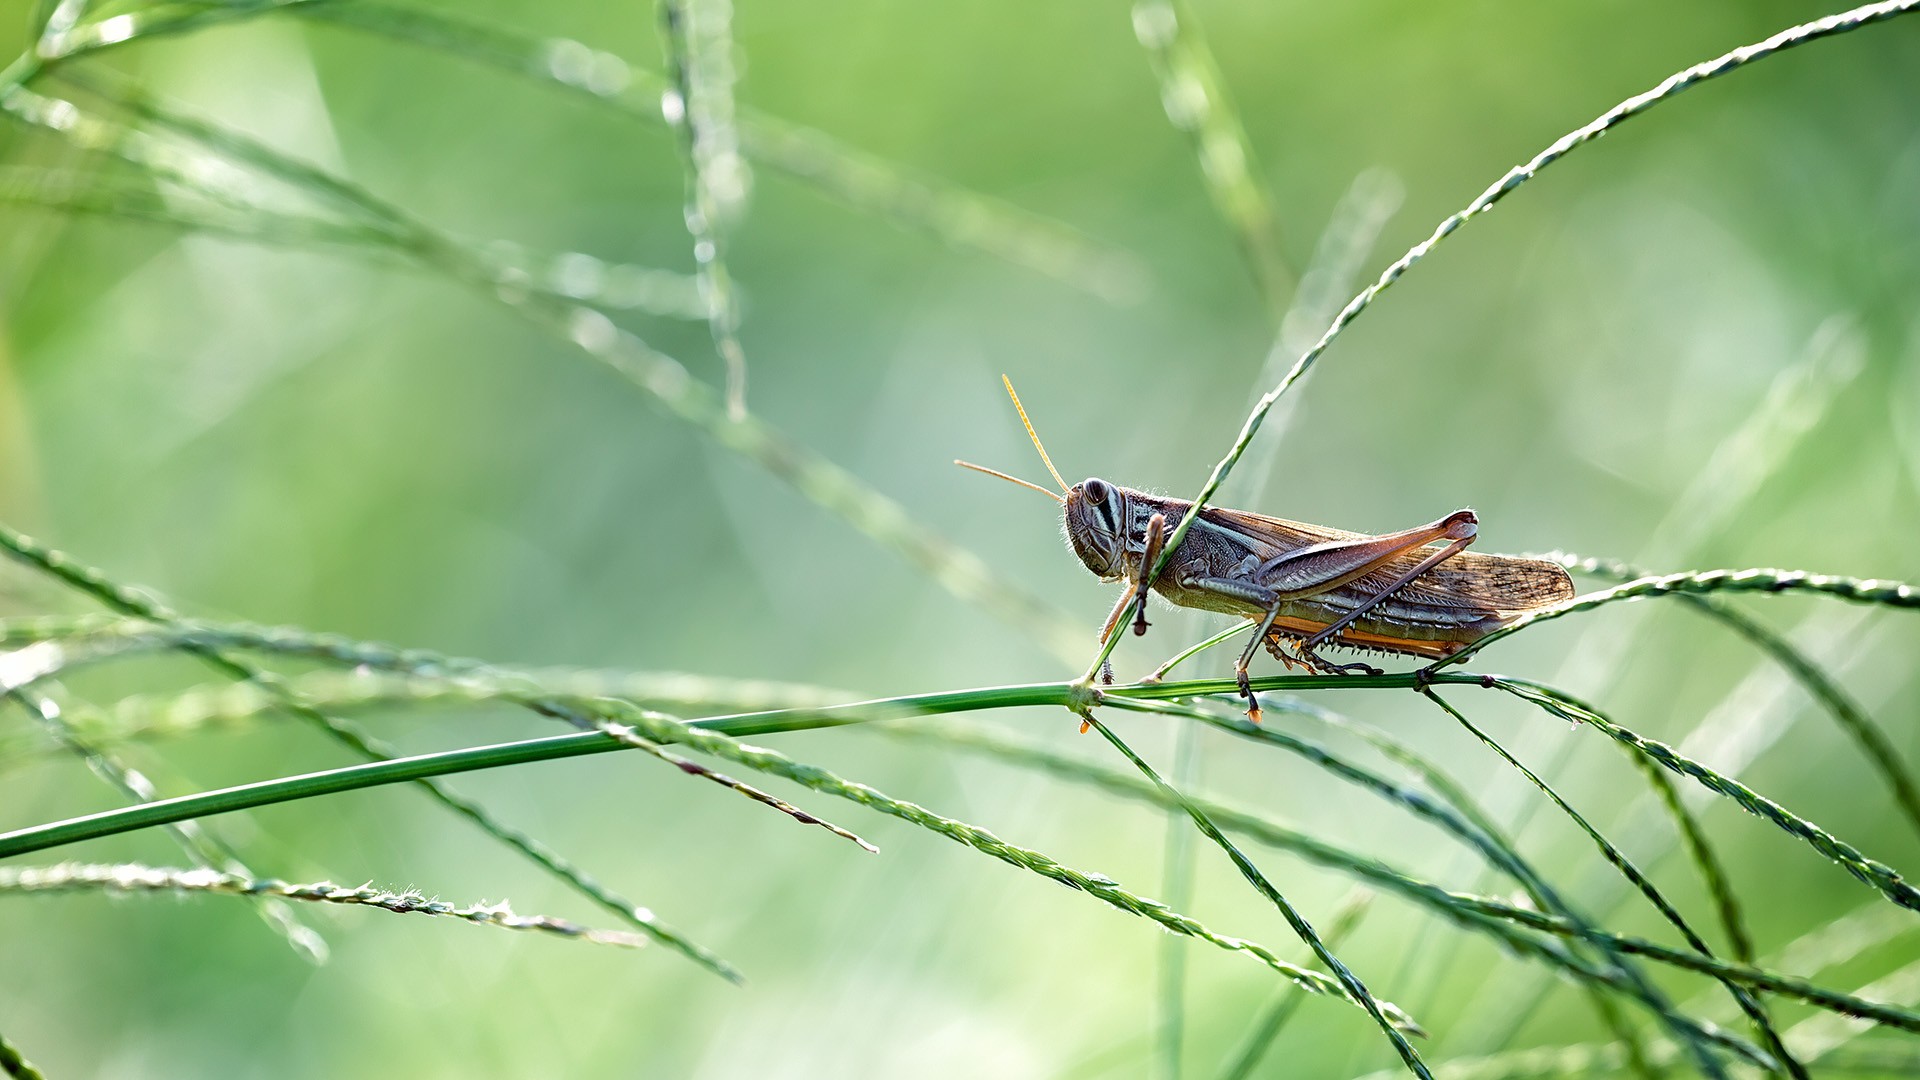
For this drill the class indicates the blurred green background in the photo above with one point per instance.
(1691, 345)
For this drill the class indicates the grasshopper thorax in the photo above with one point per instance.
(1100, 527)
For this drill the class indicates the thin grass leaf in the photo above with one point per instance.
(1355, 989)
(1194, 96)
(70, 192)
(91, 582)
(132, 877)
(1755, 1012)
(1726, 906)
(1668, 88)
(861, 181)
(23, 629)
(200, 844)
(1845, 711)
(1869, 871)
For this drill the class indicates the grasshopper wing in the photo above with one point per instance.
(1496, 585)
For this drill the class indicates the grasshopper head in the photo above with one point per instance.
(1095, 511)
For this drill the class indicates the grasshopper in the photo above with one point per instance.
(1306, 586)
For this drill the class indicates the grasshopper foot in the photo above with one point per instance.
(1246, 691)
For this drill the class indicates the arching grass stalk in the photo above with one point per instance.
(130, 877)
(1763, 1024)
(1852, 718)
(1356, 990)
(1713, 873)
(1670, 87)
(1700, 582)
(1877, 874)
(127, 601)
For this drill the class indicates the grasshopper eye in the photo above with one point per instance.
(1095, 490)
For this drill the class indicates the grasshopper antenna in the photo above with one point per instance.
(1031, 434)
(1012, 479)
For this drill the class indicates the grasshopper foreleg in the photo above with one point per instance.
(1156, 539)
